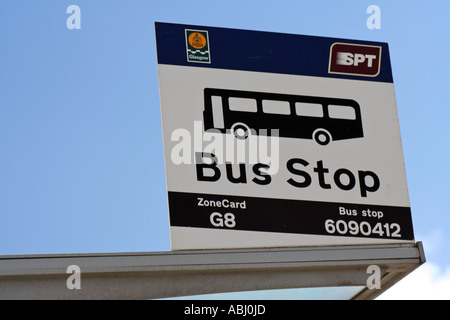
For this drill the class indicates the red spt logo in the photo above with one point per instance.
(361, 60)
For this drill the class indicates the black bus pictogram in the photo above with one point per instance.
(295, 116)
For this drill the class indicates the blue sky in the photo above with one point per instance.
(81, 154)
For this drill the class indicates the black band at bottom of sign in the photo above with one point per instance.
(289, 216)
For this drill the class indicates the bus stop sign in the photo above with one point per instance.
(275, 140)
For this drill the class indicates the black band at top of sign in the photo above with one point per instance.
(291, 216)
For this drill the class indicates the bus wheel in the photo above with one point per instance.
(322, 137)
(240, 130)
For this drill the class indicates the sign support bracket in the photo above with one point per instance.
(153, 275)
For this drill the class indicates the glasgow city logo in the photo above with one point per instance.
(197, 46)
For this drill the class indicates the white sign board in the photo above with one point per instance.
(279, 140)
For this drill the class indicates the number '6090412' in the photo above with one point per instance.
(362, 228)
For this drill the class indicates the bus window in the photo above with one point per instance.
(242, 104)
(341, 112)
(308, 109)
(217, 112)
(276, 107)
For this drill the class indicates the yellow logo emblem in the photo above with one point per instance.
(197, 40)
